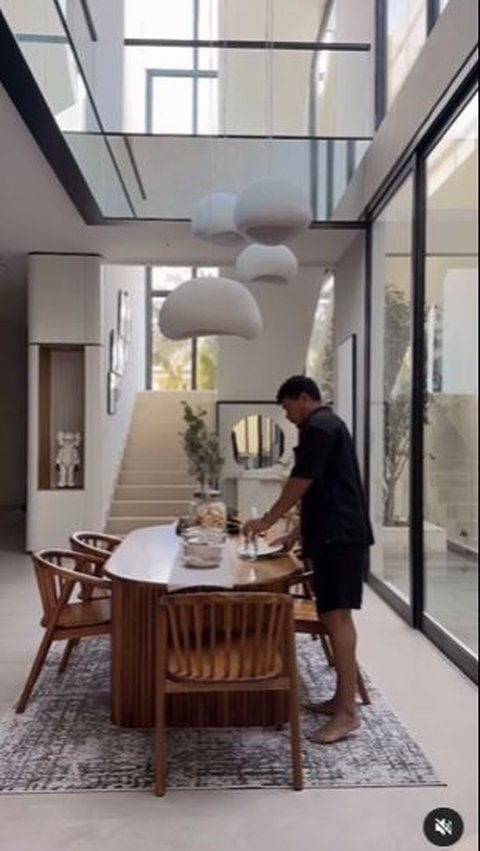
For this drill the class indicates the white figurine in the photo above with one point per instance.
(68, 457)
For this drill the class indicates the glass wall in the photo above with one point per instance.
(178, 364)
(406, 34)
(451, 405)
(391, 383)
(319, 361)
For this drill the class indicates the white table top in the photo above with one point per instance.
(153, 555)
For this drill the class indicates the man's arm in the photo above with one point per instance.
(292, 491)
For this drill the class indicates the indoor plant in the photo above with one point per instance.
(205, 462)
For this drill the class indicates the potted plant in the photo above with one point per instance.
(205, 463)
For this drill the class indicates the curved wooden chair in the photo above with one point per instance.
(307, 620)
(95, 543)
(220, 642)
(58, 572)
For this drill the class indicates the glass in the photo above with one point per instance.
(451, 403)
(406, 34)
(207, 363)
(160, 19)
(172, 105)
(320, 360)
(176, 172)
(207, 106)
(52, 62)
(391, 383)
(171, 359)
(207, 511)
(166, 278)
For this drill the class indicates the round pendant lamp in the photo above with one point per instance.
(213, 220)
(204, 307)
(274, 264)
(272, 211)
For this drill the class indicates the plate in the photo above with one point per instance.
(264, 550)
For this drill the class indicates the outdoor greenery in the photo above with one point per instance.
(201, 447)
(172, 361)
(396, 419)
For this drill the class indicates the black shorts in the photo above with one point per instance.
(338, 574)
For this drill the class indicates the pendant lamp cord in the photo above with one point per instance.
(269, 37)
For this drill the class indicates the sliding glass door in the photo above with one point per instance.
(451, 403)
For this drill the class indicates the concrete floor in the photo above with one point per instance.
(436, 702)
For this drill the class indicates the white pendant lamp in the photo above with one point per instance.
(274, 264)
(272, 211)
(204, 307)
(212, 219)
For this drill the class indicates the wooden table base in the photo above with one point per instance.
(133, 619)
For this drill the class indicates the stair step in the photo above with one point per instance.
(155, 453)
(148, 508)
(149, 462)
(155, 477)
(155, 492)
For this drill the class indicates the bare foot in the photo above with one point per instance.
(340, 727)
(325, 707)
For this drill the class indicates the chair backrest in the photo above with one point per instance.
(95, 543)
(251, 630)
(58, 571)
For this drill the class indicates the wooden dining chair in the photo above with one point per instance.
(95, 543)
(58, 573)
(221, 642)
(307, 620)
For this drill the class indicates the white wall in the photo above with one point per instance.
(115, 426)
(73, 300)
(254, 369)
(13, 382)
(349, 319)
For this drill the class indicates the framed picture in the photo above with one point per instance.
(113, 391)
(116, 353)
(346, 383)
(124, 316)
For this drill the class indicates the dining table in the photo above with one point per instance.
(149, 563)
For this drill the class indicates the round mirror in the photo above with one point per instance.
(257, 442)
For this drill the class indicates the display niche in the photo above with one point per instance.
(61, 420)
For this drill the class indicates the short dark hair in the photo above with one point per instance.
(293, 388)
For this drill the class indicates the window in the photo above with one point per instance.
(406, 34)
(319, 365)
(182, 90)
(391, 384)
(451, 403)
(178, 364)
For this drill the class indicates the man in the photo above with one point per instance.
(335, 533)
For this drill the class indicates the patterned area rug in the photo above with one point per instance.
(64, 742)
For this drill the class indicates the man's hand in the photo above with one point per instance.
(252, 528)
(287, 541)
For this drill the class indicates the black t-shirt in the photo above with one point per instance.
(333, 509)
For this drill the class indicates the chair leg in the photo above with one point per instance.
(160, 744)
(34, 672)
(71, 643)
(295, 739)
(362, 689)
(327, 650)
(294, 712)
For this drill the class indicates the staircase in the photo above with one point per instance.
(153, 485)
